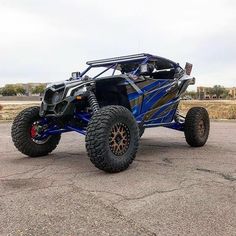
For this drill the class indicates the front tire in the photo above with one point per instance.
(141, 131)
(197, 126)
(21, 133)
(112, 138)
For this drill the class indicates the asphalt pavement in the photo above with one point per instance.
(170, 189)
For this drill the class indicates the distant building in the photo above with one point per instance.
(204, 93)
(232, 92)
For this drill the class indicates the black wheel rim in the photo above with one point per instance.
(119, 139)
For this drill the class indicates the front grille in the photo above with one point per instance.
(52, 97)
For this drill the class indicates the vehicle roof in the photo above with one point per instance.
(129, 59)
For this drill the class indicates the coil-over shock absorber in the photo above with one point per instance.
(92, 100)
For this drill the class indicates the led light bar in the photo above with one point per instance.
(118, 59)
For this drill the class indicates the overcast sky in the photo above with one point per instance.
(44, 40)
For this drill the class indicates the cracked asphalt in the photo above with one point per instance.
(170, 189)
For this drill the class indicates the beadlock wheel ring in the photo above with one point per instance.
(119, 139)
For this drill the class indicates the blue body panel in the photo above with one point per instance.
(158, 103)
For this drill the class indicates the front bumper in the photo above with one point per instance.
(59, 109)
(54, 104)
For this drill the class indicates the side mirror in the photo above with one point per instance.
(188, 68)
(75, 75)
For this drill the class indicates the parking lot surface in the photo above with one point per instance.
(170, 189)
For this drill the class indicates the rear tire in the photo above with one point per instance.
(197, 126)
(112, 138)
(21, 134)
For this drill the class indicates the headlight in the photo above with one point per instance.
(80, 91)
(76, 91)
(57, 96)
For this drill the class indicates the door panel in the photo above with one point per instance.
(159, 102)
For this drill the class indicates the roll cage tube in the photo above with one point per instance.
(90, 67)
(114, 66)
(108, 68)
(113, 63)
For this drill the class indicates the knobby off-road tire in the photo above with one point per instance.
(109, 128)
(197, 126)
(21, 134)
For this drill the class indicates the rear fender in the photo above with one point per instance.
(184, 82)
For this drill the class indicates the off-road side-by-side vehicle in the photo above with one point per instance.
(112, 108)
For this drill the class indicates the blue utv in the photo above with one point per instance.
(112, 102)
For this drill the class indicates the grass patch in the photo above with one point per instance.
(225, 109)
(10, 111)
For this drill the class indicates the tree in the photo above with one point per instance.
(38, 89)
(20, 89)
(192, 94)
(225, 94)
(211, 91)
(9, 90)
(219, 91)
